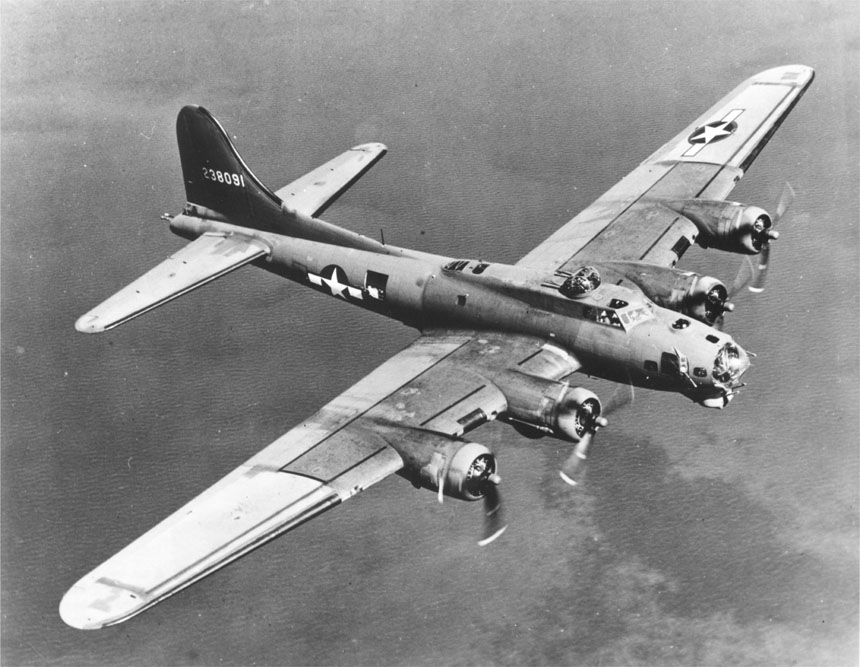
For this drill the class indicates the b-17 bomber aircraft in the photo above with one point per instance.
(600, 297)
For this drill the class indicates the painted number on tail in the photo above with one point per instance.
(224, 177)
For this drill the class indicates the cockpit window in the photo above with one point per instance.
(634, 316)
(603, 316)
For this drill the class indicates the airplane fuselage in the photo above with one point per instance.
(615, 332)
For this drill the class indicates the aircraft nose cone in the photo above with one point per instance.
(739, 364)
(730, 363)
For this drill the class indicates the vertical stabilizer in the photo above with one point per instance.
(217, 178)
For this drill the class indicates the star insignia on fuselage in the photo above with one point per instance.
(335, 280)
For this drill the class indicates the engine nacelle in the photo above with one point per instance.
(549, 407)
(727, 225)
(464, 469)
(703, 298)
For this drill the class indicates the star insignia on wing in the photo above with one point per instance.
(713, 132)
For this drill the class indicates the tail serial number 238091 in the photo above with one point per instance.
(224, 177)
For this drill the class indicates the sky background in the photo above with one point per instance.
(698, 537)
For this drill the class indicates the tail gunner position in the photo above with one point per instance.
(601, 296)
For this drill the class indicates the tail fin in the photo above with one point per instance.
(217, 178)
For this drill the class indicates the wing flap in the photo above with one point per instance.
(314, 192)
(206, 258)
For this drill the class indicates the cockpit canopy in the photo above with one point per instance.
(585, 280)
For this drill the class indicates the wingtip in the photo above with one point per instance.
(95, 604)
(797, 74)
(75, 611)
(89, 323)
(372, 147)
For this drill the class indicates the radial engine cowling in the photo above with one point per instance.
(703, 298)
(464, 469)
(728, 225)
(550, 407)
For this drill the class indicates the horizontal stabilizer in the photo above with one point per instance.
(314, 192)
(201, 261)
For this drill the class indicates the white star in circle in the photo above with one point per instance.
(337, 288)
(709, 133)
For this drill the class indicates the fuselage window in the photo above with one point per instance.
(669, 364)
(458, 265)
(651, 366)
(482, 266)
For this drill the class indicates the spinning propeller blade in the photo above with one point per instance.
(758, 273)
(494, 518)
(571, 470)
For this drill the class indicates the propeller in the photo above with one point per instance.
(750, 275)
(571, 470)
(488, 480)
(494, 517)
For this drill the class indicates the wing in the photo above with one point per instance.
(206, 258)
(705, 161)
(314, 192)
(438, 384)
